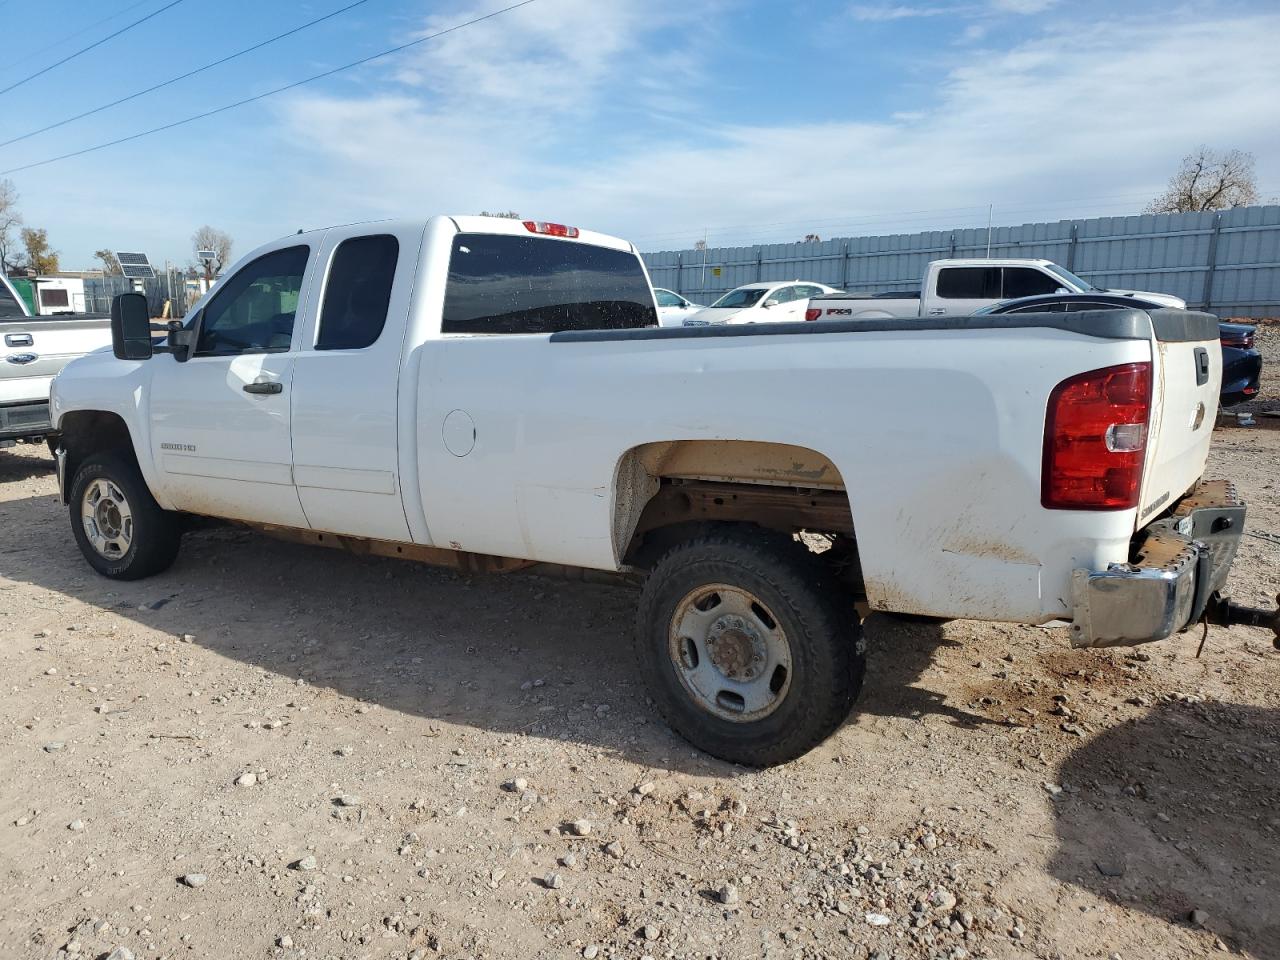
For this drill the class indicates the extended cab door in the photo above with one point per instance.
(959, 291)
(220, 421)
(346, 382)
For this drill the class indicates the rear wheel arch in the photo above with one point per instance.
(673, 490)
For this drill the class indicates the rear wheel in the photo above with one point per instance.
(748, 647)
(121, 530)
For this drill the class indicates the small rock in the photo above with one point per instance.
(54, 746)
(878, 920)
(942, 900)
(1074, 729)
(307, 863)
(75, 826)
(286, 941)
(590, 951)
(728, 895)
(580, 828)
(51, 672)
(188, 638)
(344, 751)
(1110, 868)
(553, 881)
(193, 879)
(1051, 788)
(120, 953)
(1198, 918)
(518, 785)
(348, 800)
(246, 780)
(645, 788)
(569, 860)
(614, 849)
(650, 932)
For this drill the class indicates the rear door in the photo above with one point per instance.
(959, 291)
(220, 421)
(345, 383)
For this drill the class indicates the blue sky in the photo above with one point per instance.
(658, 120)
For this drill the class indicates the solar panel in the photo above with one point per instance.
(135, 266)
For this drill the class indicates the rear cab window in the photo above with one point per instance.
(10, 308)
(969, 283)
(502, 284)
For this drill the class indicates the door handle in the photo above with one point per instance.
(264, 386)
(17, 340)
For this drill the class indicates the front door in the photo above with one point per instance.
(220, 421)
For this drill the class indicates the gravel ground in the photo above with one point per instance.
(279, 751)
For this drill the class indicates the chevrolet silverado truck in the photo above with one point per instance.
(495, 395)
(957, 287)
(32, 351)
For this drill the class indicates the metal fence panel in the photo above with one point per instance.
(167, 285)
(1226, 262)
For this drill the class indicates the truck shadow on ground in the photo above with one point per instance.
(23, 468)
(514, 654)
(1177, 812)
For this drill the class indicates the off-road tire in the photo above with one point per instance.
(157, 533)
(822, 628)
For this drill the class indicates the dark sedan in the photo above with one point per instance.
(1241, 361)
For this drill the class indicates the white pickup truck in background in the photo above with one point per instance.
(494, 395)
(957, 287)
(32, 351)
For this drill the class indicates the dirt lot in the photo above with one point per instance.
(277, 751)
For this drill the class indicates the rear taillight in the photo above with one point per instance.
(813, 313)
(1242, 340)
(1095, 439)
(550, 229)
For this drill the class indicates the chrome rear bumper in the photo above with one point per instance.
(1181, 561)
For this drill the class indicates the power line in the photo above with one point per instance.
(270, 93)
(96, 43)
(188, 74)
(71, 36)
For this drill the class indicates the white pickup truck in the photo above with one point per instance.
(494, 395)
(32, 351)
(956, 287)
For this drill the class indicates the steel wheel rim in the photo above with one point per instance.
(730, 652)
(107, 519)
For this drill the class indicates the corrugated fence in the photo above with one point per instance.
(1226, 262)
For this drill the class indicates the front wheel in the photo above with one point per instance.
(121, 530)
(748, 647)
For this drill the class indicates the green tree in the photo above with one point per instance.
(41, 258)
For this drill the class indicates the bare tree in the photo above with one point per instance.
(41, 258)
(700, 245)
(110, 265)
(1209, 180)
(507, 215)
(812, 238)
(219, 241)
(10, 221)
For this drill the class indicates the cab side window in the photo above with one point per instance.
(254, 310)
(358, 292)
(1025, 282)
(668, 299)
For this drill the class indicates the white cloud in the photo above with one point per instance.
(1075, 112)
(885, 12)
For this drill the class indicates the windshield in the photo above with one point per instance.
(1070, 277)
(742, 297)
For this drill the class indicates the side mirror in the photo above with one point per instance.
(180, 341)
(131, 327)
(769, 303)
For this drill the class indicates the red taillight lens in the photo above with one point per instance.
(813, 313)
(550, 229)
(1242, 340)
(1095, 439)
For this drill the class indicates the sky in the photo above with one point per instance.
(662, 121)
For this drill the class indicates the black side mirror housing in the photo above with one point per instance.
(131, 327)
(181, 341)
